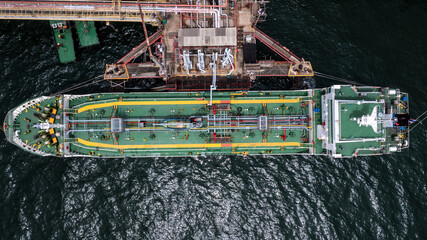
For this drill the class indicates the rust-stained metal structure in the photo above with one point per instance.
(199, 45)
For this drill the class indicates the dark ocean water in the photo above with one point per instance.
(373, 42)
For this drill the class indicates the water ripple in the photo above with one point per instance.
(263, 197)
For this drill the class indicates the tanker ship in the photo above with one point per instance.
(338, 121)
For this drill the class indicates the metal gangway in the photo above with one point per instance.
(140, 49)
(276, 47)
(124, 69)
(293, 66)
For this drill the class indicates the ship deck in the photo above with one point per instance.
(319, 121)
(230, 125)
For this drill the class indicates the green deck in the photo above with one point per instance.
(86, 31)
(348, 104)
(63, 37)
(159, 124)
(350, 129)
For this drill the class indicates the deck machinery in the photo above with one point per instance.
(339, 121)
(208, 43)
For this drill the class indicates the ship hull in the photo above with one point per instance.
(341, 121)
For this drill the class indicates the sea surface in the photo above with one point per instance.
(378, 42)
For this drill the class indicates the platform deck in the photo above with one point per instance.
(63, 40)
(86, 31)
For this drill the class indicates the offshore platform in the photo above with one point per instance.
(199, 44)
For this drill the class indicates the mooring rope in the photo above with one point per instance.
(323, 75)
(80, 85)
(419, 121)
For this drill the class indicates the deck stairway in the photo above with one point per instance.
(140, 49)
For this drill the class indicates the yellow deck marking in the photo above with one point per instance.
(191, 102)
(204, 145)
(270, 144)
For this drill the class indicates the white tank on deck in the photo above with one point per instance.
(392, 92)
(392, 148)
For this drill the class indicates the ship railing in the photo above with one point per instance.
(8, 130)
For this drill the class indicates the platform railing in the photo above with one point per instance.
(76, 15)
(99, 11)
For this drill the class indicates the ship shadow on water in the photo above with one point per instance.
(283, 83)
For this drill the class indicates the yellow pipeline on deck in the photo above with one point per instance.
(203, 145)
(201, 102)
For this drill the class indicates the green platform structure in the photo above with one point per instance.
(63, 40)
(86, 31)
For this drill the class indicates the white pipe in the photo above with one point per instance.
(213, 86)
(215, 12)
(223, 14)
(232, 69)
(197, 22)
(191, 19)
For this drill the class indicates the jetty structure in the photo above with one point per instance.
(199, 44)
(339, 121)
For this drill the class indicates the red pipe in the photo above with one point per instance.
(284, 134)
(88, 123)
(124, 4)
